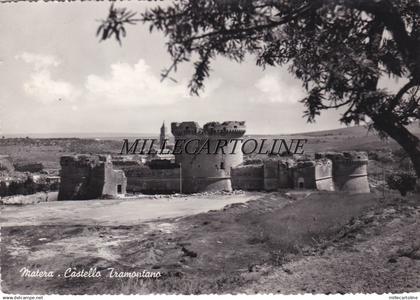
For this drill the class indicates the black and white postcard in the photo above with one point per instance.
(210, 147)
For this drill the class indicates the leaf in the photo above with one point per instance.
(100, 28)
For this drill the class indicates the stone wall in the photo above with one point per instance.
(89, 177)
(278, 174)
(324, 175)
(349, 171)
(248, 177)
(271, 175)
(142, 179)
(304, 175)
(208, 172)
(115, 182)
(287, 173)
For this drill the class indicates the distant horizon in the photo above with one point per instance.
(137, 134)
(412, 127)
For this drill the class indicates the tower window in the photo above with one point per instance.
(222, 165)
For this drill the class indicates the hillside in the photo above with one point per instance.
(342, 139)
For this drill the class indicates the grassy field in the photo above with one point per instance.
(48, 151)
(241, 248)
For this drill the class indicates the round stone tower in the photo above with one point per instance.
(210, 168)
(349, 171)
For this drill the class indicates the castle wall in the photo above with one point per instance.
(324, 175)
(248, 177)
(89, 177)
(153, 181)
(349, 171)
(115, 181)
(285, 175)
(277, 175)
(204, 171)
(304, 175)
(92, 177)
(271, 175)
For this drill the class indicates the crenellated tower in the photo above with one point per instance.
(203, 171)
(349, 170)
(90, 177)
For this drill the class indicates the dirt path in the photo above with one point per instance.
(117, 212)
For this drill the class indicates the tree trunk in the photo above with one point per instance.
(408, 141)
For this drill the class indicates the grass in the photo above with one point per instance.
(317, 217)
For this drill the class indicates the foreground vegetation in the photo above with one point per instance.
(266, 245)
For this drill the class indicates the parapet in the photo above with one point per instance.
(211, 128)
(343, 157)
(323, 161)
(226, 127)
(305, 164)
(301, 164)
(83, 160)
(185, 128)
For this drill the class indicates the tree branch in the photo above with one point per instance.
(296, 14)
(391, 18)
(394, 102)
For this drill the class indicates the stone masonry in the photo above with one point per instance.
(90, 177)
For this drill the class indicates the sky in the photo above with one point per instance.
(56, 77)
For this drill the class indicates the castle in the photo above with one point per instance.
(88, 177)
(329, 171)
(203, 171)
(226, 171)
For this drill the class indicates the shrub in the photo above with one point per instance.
(16, 188)
(381, 156)
(28, 167)
(401, 181)
(3, 189)
(29, 186)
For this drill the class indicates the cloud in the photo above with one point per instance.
(41, 86)
(276, 89)
(39, 61)
(125, 85)
(135, 85)
(46, 90)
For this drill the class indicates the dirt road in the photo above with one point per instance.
(117, 212)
